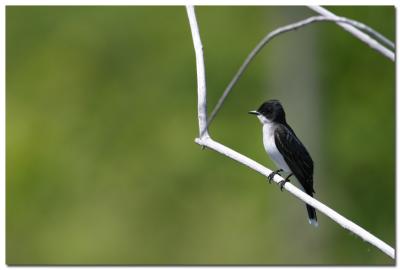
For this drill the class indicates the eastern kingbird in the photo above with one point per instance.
(286, 150)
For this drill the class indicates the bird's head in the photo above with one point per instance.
(270, 111)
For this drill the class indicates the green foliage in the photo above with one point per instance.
(101, 118)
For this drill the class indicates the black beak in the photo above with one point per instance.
(254, 112)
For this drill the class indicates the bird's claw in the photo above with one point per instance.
(282, 183)
(271, 175)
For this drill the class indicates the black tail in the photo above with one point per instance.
(312, 215)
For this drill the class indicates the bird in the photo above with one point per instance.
(286, 150)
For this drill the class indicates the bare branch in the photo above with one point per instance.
(201, 74)
(282, 30)
(335, 216)
(206, 141)
(357, 33)
(369, 31)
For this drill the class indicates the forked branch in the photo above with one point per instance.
(206, 141)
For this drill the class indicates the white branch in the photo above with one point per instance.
(210, 143)
(357, 33)
(335, 216)
(201, 73)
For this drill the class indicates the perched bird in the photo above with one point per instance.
(286, 150)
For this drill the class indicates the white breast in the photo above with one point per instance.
(270, 147)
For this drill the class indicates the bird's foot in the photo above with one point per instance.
(271, 175)
(283, 182)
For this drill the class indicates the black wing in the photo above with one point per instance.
(296, 156)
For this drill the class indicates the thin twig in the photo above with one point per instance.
(369, 30)
(208, 142)
(275, 33)
(358, 34)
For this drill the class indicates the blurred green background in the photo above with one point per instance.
(102, 167)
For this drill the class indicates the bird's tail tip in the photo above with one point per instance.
(313, 222)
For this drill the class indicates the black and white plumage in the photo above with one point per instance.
(286, 150)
